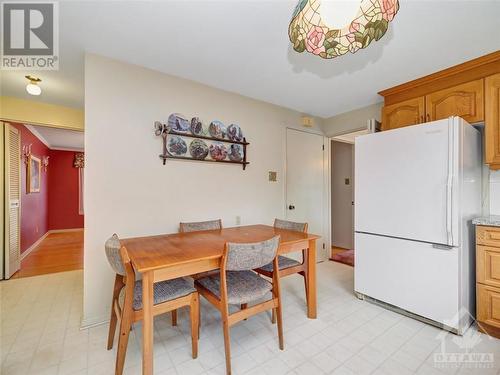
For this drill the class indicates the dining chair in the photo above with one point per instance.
(126, 305)
(287, 266)
(196, 226)
(237, 284)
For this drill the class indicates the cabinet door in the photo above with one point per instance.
(465, 100)
(488, 305)
(492, 123)
(409, 112)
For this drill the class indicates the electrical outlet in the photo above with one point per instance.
(273, 176)
(238, 220)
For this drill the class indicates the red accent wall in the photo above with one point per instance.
(34, 206)
(56, 205)
(63, 191)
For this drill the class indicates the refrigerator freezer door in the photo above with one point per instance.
(403, 182)
(411, 275)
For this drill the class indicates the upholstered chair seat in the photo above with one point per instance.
(163, 291)
(242, 286)
(283, 263)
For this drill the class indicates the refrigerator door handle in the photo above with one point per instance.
(449, 183)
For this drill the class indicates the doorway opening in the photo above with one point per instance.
(44, 220)
(342, 194)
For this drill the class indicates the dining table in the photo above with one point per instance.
(169, 256)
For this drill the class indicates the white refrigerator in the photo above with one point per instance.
(417, 190)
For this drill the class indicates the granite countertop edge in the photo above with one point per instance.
(492, 220)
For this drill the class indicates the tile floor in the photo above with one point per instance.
(40, 334)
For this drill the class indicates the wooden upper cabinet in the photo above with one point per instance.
(465, 100)
(492, 123)
(408, 112)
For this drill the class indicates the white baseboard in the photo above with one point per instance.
(93, 322)
(32, 247)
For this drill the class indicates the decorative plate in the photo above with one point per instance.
(176, 146)
(234, 133)
(196, 126)
(236, 153)
(218, 151)
(178, 123)
(217, 129)
(198, 149)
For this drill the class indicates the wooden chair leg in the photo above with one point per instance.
(174, 317)
(227, 345)
(273, 316)
(243, 306)
(194, 310)
(280, 324)
(113, 320)
(125, 326)
(112, 327)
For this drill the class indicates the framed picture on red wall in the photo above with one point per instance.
(34, 175)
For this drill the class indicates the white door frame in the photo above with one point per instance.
(329, 182)
(324, 254)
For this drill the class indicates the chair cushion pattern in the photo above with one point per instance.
(289, 225)
(112, 247)
(248, 256)
(242, 286)
(283, 263)
(163, 291)
(200, 225)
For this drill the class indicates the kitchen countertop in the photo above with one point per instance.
(492, 220)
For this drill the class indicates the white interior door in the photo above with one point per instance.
(305, 200)
(12, 200)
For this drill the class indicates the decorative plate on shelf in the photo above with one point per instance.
(217, 129)
(218, 151)
(176, 146)
(235, 153)
(196, 126)
(198, 149)
(178, 123)
(234, 133)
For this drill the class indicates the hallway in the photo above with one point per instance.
(58, 252)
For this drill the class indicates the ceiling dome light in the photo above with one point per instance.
(32, 87)
(314, 29)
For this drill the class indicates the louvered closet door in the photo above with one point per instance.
(12, 200)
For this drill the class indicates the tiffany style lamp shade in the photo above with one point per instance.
(308, 31)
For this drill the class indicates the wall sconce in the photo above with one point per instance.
(26, 153)
(45, 162)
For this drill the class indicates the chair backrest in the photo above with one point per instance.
(248, 256)
(290, 225)
(112, 247)
(200, 225)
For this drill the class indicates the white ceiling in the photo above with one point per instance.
(243, 47)
(59, 139)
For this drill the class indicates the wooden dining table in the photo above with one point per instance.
(168, 256)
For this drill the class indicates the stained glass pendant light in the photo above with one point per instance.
(308, 30)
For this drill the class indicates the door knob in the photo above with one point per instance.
(291, 207)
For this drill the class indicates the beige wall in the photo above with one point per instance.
(351, 121)
(130, 192)
(39, 113)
